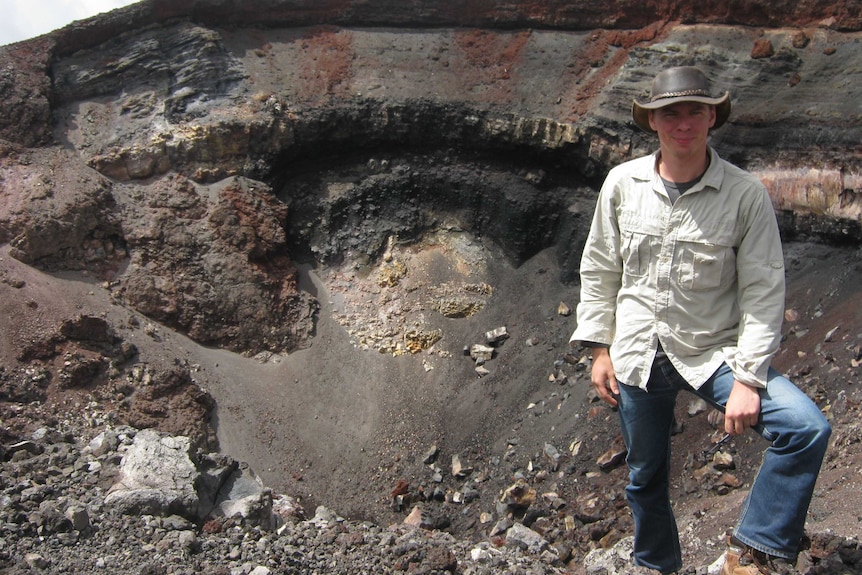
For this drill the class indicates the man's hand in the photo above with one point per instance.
(603, 377)
(743, 408)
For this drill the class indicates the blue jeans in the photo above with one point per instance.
(773, 516)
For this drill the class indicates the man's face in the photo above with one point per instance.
(683, 127)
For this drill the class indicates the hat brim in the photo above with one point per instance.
(640, 112)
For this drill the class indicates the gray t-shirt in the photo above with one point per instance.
(676, 189)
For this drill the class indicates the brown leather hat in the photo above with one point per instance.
(680, 84)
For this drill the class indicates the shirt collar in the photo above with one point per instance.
(711, 179)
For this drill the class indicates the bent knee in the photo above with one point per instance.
(824, 430)
(818, 430)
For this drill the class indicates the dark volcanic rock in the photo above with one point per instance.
(229, 241)
(177, 107)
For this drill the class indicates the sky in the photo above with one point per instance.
(22, 19)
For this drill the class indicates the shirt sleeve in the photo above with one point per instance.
(601, 271)
(761, 292)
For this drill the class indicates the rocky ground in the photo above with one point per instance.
(342, 262)
(411, 506)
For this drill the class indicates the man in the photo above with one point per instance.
(682, 288)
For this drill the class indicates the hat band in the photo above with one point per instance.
(679, 94)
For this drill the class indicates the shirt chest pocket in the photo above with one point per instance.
(636, 253)
(640, 242)
(705, 266)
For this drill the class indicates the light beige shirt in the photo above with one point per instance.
(703, 276)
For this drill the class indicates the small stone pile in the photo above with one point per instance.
(144, 502)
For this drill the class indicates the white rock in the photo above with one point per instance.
(156, 475)
(497, 335)
(525, 538)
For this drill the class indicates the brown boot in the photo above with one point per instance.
(736, 562)
(743, 560)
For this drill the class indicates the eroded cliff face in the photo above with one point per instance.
(176, 98)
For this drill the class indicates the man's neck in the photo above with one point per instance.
(682, 169)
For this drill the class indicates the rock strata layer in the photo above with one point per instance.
(182, 133)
